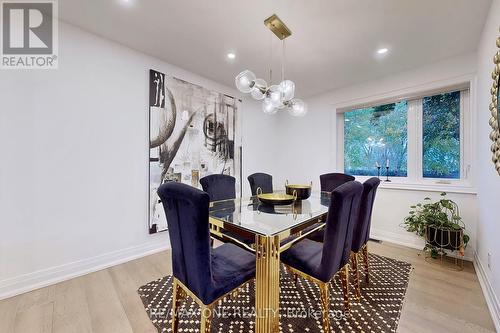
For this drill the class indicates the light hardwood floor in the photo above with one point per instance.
(438, 299)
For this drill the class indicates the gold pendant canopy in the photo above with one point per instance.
(277, 26)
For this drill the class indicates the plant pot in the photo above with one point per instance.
(444, 238)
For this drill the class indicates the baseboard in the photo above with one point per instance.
(39, 279)
(410, 240)
(489, 292)
(396, 238)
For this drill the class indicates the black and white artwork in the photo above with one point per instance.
(193, 132)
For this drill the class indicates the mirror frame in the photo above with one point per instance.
(495, 111)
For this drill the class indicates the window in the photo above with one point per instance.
(441, 136)
(376, 136)
(422, 140)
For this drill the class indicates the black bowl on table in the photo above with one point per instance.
(302, 192)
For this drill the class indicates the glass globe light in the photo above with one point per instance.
(245, 81)
(259, 89)
(275, 95)
(287, 89)
(298, 107)
(268, 106)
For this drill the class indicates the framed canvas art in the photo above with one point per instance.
(193, 132)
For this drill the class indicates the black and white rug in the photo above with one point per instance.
(300, 308)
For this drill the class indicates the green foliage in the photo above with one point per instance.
(379, 133)
(441, 135)
(374, 135)
(442, 214)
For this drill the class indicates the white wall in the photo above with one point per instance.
(488, 181)
(74, 161)
(309, 144)
(259, 143)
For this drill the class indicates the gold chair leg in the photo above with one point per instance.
(365, 260)
(206, 319)
(356, 275)
(325, 306)
(344, 277)
(176, 302)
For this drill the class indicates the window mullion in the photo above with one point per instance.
(414, 139)
(465, 137)
(340, 142)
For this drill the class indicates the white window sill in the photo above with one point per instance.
(401, 184)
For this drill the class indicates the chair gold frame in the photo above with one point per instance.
(325, 291)
(180, 292)
(355, 268)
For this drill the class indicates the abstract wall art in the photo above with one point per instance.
(193, 132)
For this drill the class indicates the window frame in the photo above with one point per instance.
(415, 176)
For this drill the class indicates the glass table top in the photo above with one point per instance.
(250, 214)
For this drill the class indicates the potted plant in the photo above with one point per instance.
(440, 224)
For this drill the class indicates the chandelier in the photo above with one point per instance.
(274, 97)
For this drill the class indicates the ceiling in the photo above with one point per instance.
(334, 42)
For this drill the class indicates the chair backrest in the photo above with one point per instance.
(330, 181)
(262, 180)
(362, 228)
(342, 215)
(219, 187)
(186, 209)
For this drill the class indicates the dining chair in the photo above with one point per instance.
(222, 187)
(262, 180)
(205, 274)
(361, 232)
(219, 187)
(330, 181)
(319, 262)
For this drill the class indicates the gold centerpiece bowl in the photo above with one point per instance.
(276, 198)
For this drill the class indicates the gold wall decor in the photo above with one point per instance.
(495, 111)
(195, 178)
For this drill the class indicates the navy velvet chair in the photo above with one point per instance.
(203, 273)
(219, 187)
(330, 181)
(319, 262)
(223, 187)
(361, 232)
(262, 180)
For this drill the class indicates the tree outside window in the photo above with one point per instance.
(375, 135)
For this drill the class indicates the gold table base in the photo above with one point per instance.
(267, 284)
(267, 270)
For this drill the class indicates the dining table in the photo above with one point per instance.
(267, 231)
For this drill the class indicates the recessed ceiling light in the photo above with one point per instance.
(382, 50)
(231, 55)
(127, 3)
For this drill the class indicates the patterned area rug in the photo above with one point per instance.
(377, 311)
